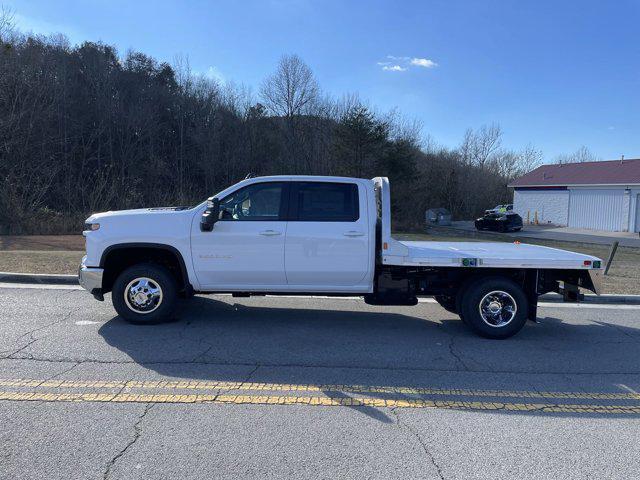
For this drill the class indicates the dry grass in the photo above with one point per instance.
(41, 253)
(42, 242)
(62, 254)
(29, 261)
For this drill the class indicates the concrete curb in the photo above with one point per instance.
(611, 299)
(41, 278)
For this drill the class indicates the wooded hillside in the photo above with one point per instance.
(83, 129)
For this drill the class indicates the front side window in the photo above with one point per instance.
(326, 202)
(257, 202)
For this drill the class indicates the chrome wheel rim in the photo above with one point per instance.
(143, 295)
(497, 308)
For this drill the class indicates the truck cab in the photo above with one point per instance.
(315, 235)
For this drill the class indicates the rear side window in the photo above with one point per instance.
(325, 202)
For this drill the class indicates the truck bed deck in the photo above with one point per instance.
(487, 255)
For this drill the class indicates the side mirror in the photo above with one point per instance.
(210, 215)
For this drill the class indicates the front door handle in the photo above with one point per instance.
(353, 233)
(270, 233)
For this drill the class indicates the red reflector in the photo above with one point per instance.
(385, 246)
(587, 263)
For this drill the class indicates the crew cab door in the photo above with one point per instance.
(328, 237)
(245, 249)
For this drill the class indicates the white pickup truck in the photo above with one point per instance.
(295, 235)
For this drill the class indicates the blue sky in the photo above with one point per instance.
(556, 74)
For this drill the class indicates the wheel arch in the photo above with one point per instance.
(115, 258)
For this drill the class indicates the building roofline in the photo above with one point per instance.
(597, 173)
(541, 185)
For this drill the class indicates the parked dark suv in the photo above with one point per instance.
(500, 222)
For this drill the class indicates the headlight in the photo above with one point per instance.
(91, 227)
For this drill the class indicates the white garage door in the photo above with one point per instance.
(596, 209)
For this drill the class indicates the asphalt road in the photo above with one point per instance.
(312, 388)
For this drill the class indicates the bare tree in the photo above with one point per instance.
(7, 23)
(512, 164)
(291, 89)
(529, 158)
(581, 155)
(478, 147)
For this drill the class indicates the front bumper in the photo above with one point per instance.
(90, 279)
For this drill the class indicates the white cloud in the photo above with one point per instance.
(423, 62)
(393, 68)
(402, 64)
(213, 73)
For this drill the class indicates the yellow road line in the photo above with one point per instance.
(254, 386)
(315, 401)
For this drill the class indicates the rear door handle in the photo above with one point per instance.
(270, 233)
(353, 233)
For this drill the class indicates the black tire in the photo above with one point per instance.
(159, 277)
(479, 291)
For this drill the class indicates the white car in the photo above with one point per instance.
(507, 207)
(321, 236)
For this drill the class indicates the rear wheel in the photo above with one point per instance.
(145, 294)
(494, 307)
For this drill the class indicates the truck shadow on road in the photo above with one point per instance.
(353, 344)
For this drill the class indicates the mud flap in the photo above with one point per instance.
(390, 290)
(532, 313)
(531, 291)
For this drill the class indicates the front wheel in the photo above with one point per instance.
(494, 307)
(145, 294)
